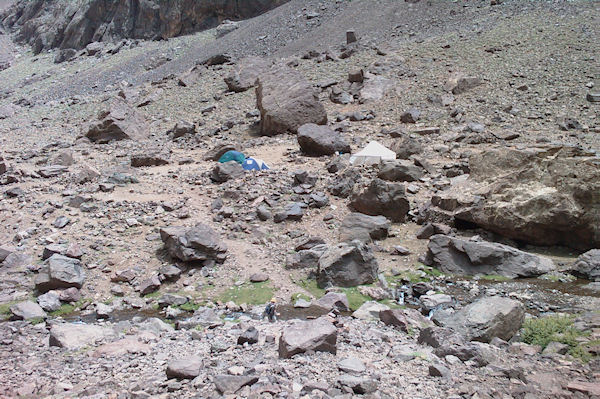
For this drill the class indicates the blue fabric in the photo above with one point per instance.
(232, 156)
(254, 164)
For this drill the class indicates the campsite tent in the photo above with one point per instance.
(232, 156)
(373, 153)
(254, 164)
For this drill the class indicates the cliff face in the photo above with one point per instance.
(46, 24)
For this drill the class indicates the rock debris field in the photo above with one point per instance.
(415, 185)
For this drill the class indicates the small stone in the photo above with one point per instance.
(352, 365)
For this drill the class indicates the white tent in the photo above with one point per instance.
(373, 153)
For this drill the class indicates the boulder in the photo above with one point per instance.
(352, 365)
(317, 335)
(125, 346)
(358, 226)
(458, 83)
(485, 319)
(203, 316)
(287, 101)
(3, 165)
(226, 27)
(230, 384)
(4, 252)
(588, 265)
(119, 122)
(50, 301)
(358, 385)
(245, 73)
(76, 336)
(60, 272)
(149, 285)
(375, 88)
(543, 196)
(468, 257)
(447, 342)
(181, 129)
(369, 310)
(333, 300)
(307, 258)
(382, 198)
(223, 172)
(400, 170)
(150, 158)
(27, 310)
(405, 146)
(249, 336)
(198, 243)
(347, 265)
(315, 140)
(185, 368)
(405, 319)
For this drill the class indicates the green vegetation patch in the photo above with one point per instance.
(5, 309)
(495, 277)
(65, 309)
(248, 293)
(543, 330)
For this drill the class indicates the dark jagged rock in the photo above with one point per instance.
(46, 24)
(286, 101)
(347, 265)
(382, 198)
(485, 319)
(588, 265)
(456, 255)
(198, 243)
(60, 272)
(245, 73)
(318, 140)
(118, 122)
(358, 226)
(317, 335)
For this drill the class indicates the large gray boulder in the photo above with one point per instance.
(400, 170)
(27, 310)
(190, 244)
(588, 265)
(461, 256)
(286, 101)
(50, 301)
(358, 226)
(245, 73)
(542, 196)
(203, 316)
(76, 336)
(119, 121)
(306, 258)
(485, 319)
(315, 140)
(369, 310)
(185, 368)
(317, 335)
(223, 172)
(347, 265)
(382, 198)
(333, 300)
(60, 272)
(230, 384)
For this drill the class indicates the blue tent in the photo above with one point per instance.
(254, 164)
(232, 156)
